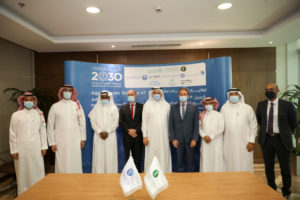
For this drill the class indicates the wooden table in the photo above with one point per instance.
(182, 186)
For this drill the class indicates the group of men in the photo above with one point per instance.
(227, 137)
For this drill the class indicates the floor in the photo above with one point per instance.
(10, 192)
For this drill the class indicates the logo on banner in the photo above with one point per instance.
(144, 77)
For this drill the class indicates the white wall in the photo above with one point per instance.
(288, 64)
(16, 70)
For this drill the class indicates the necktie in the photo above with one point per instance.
(131, 110)
(182, 111)
(271, 119)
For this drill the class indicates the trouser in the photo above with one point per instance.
(135, 146)
(185, 153)
(272, 146)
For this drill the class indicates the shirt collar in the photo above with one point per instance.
(185, 103)
(274, 102)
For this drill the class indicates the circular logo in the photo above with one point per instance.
(144, 77)
(155, 173)
(182, 75)
(130, 172)
(183, 68)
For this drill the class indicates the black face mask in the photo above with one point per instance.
(270, 94)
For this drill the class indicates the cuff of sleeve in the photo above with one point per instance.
(13, 152)
(252, 140)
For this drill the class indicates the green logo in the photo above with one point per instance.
(183, 68)
(155, 173)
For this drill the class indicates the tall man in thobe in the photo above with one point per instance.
(278, 120)
(155, 130)
(28, 142)
(211, 130)
(240, 132)
(105, 120)
(67, 131)
(184, 130)
(131, 124)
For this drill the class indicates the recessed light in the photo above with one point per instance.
(92, 9)
(201, 43)
(113, 46)
(270, 42)
(224, 6)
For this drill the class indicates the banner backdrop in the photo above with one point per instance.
(212, 77)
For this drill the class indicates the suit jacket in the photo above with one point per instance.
(126, 122)
(186, 129)
(287, 122)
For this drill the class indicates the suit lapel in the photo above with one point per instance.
(265, 110)
(186, 110)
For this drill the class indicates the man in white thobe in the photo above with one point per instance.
(105, 120)
(240, 132)
(28, 142)
(211, 130)
(155, 130)
(67, 131)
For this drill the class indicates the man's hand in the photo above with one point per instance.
(44, 151)
(132, 133)
(175, 143)
(250, 146)
(82, 144)
(207, 139)
(193, 143)
(54, 148)
(145, 141)
(15, 156)
(103, 135)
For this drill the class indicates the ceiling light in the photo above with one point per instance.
(270, 42)
(93, 10)
(201, 43)
(113, 46)
(224, 6)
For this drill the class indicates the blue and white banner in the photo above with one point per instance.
(212, 77)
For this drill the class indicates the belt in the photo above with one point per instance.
(273, 134)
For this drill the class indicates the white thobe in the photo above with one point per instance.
(211, 157)
(66, 129)
(240, 129)
(155, 127)
(105, 152)
(27, 137)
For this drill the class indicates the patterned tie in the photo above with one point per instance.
(271, 119)
(182, 110)
(131, 110)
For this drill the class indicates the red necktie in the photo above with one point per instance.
(131, 110)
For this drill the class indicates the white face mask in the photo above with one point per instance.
(156, 97)
(67, 95)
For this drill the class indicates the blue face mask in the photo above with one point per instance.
(131, 98)
(104, 101)
(234, 99)
(67, 95)
(156, 97)
(183, 98)
(28, 104)
(209, 108)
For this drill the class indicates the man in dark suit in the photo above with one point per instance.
(278, 120)
(131, 122)
(184, 130)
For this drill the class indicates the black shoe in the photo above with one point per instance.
(287, 197)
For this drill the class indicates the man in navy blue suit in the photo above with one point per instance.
(184, 130)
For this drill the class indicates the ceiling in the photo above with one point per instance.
(64, 25)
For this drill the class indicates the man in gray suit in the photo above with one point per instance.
(184, 130)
